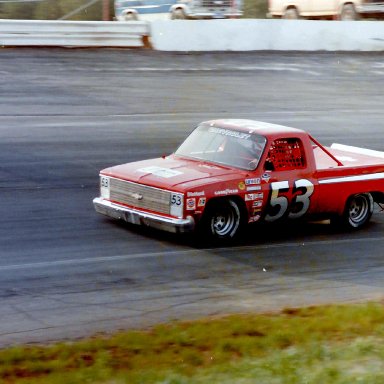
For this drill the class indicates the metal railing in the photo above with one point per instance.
(73, 33)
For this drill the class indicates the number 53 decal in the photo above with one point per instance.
(279, 205)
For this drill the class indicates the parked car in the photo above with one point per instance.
(326, 9)
(229, 173)
(148, 10)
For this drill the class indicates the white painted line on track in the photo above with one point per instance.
(91, 260)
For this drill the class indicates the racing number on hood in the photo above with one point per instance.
(279, 205)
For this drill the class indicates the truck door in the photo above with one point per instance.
(324, 7)
(287, 181)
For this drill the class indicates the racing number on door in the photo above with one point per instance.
(279, 204)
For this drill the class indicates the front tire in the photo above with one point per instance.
(358, 211)
(222, 220)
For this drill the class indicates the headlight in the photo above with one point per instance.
(177, 204)
(104, 187)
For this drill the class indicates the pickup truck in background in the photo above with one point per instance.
(326, 9)
(148, 10)
(229, 173)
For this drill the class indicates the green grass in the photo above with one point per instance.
(330, 344)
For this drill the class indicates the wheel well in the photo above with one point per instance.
(294, 7)
(347, 3)
(129, 12)
(378, 197)
(237, 199)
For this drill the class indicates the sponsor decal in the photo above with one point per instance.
(252, 181)
(195, 194)
(255, 218)
(202, 202)
(191, 204)
(266, 176)
(250, 196)
(208, 166)
(345, 158)
(160, 171)
(257, 204)
(254, 188)
(241, 185)
(227, 132)
(226, 192)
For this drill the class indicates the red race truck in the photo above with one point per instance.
(229, 173)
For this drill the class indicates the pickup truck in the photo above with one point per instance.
(326, 9)
(228, 173)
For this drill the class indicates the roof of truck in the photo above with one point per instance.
(254, 126)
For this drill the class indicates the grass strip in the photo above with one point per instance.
(335, 343)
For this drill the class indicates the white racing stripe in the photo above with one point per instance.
(187, 252)
(348, 179)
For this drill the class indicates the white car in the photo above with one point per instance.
(326, 9)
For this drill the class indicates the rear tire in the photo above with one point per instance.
(291, 14)
(357, 213)
(178, 14)
(348, 13)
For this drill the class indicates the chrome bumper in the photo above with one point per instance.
(134, 216)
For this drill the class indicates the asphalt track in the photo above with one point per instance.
(66, 272)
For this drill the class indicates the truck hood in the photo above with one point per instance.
(173, 173)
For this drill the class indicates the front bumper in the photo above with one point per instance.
(133, 216)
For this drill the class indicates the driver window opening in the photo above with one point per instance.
(285, 155)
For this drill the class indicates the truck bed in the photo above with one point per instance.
(350, 157)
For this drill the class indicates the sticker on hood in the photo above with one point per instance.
(160, 171)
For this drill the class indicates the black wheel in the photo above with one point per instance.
(130, 16)
(178, 14)
(222, 220)
(348, 13)
(291, 14)
(358, 211)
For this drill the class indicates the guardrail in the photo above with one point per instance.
(73, 33)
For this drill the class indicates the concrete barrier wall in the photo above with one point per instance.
(72, 33)
(270, 35)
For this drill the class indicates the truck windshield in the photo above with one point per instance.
(223, 146)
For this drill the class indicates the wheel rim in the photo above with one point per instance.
(358, 209)
(291, 14)
(348, 13)
(225, 221)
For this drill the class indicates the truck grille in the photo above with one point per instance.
(140, 196)
(216, 3)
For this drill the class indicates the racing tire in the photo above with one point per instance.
(348, 13)
(291, 14)
(222, 220)
(178, 14)
(357, 213)
(130, 16)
